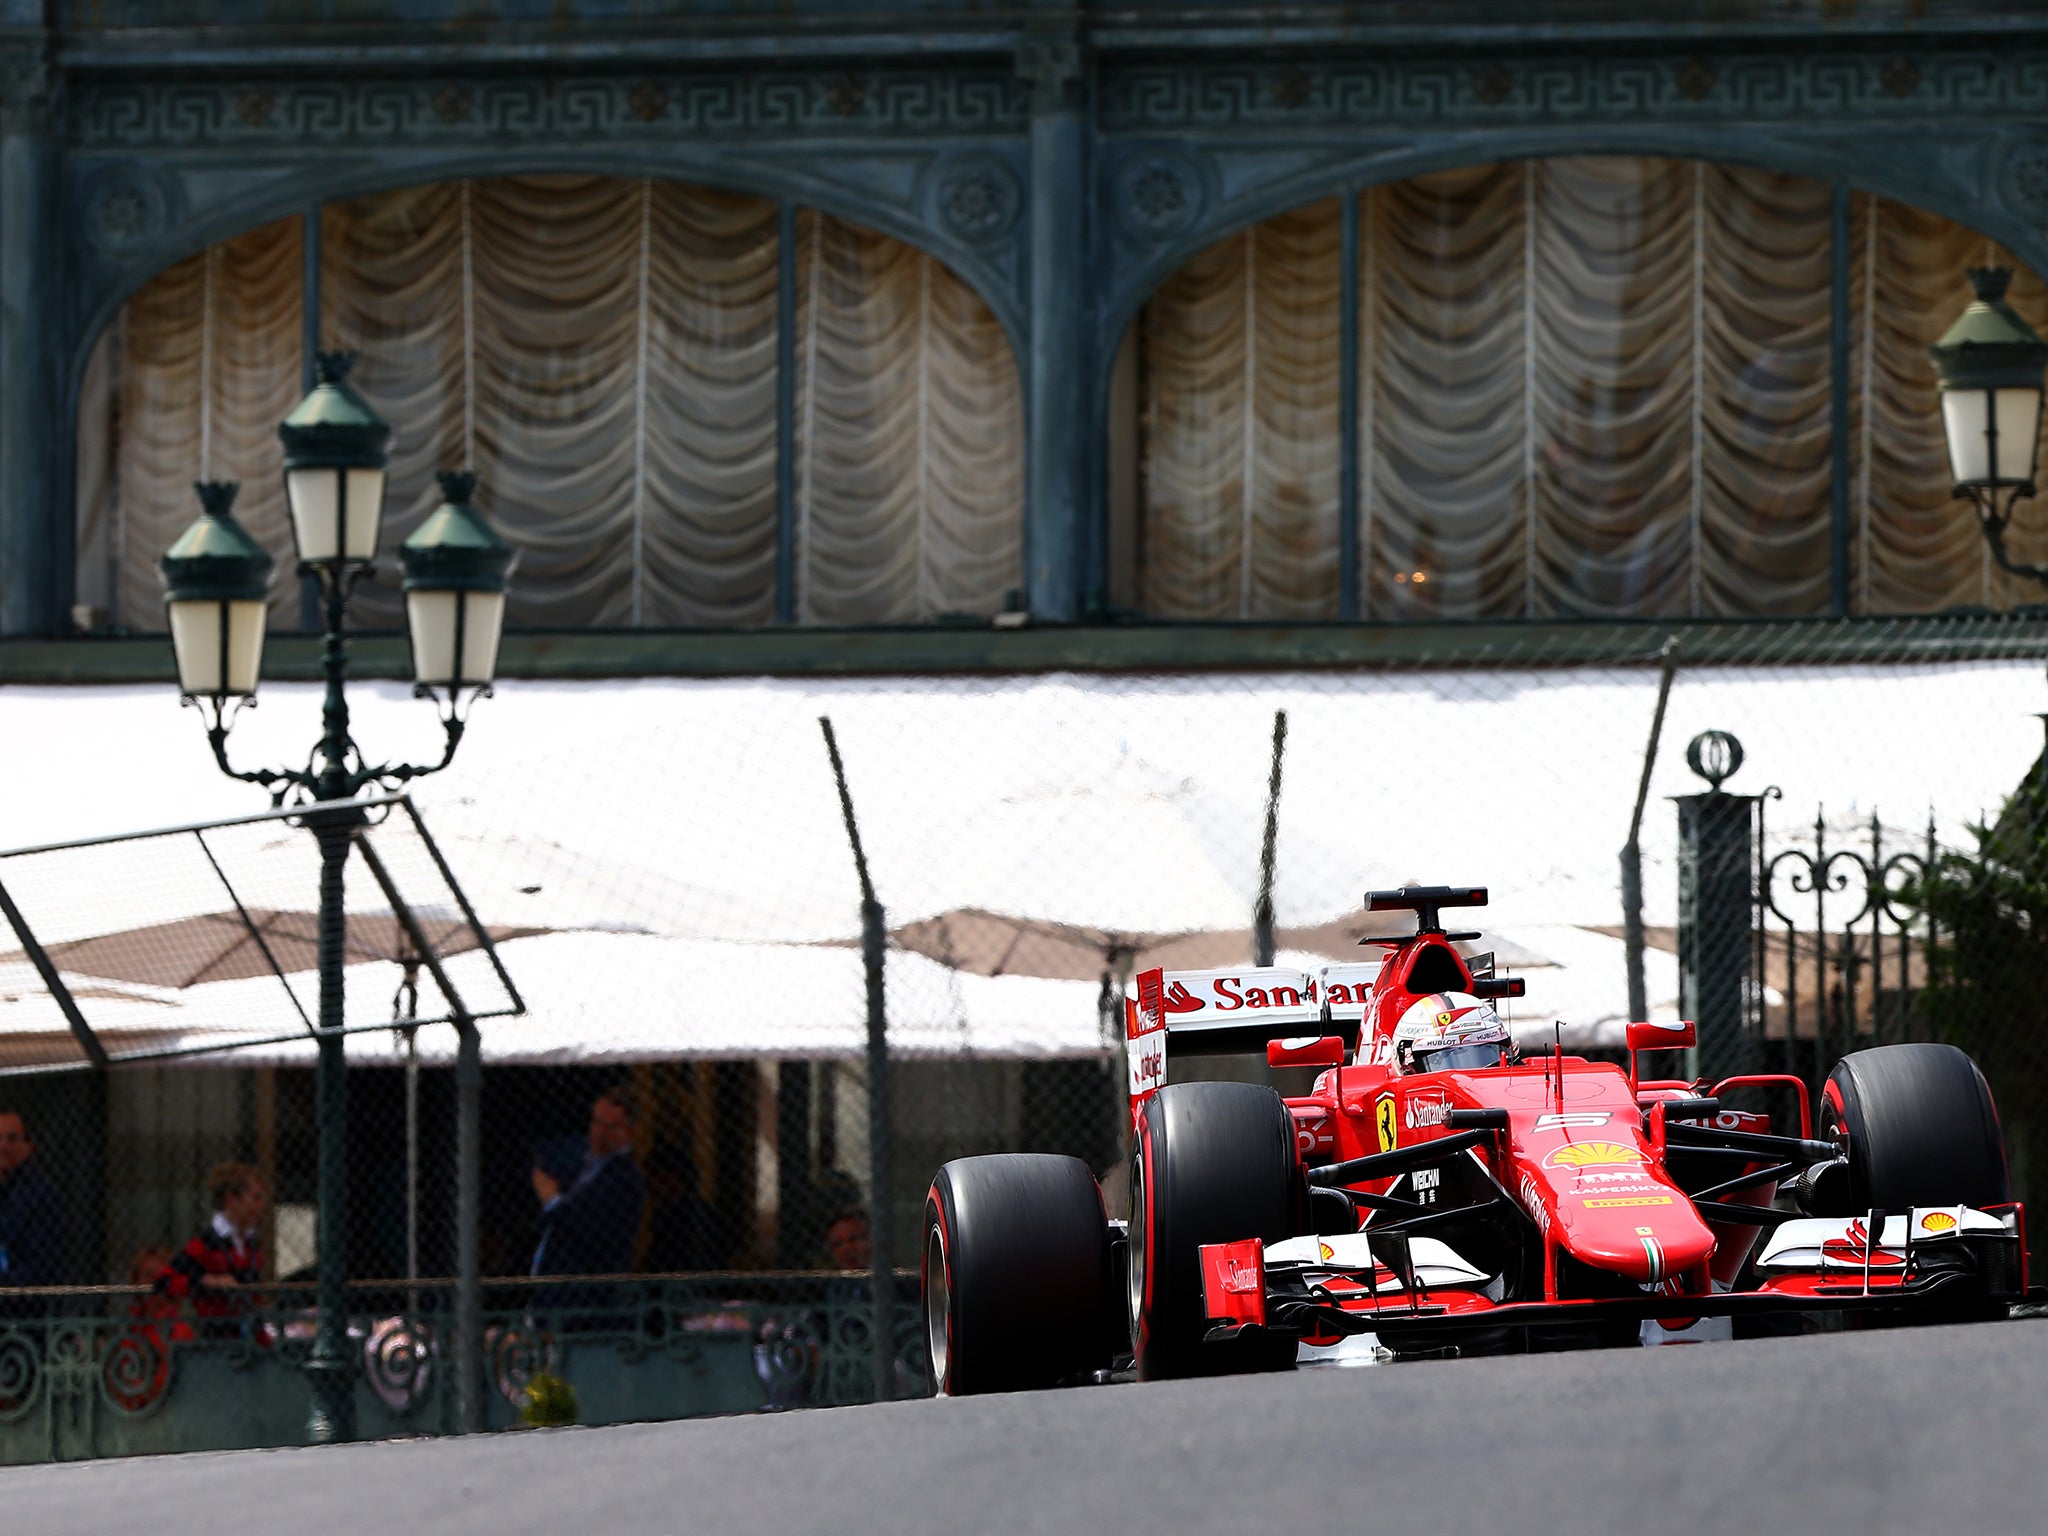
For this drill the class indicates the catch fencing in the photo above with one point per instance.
(668, 873)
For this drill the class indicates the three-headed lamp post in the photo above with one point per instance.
(1990, 366)
(217, 584)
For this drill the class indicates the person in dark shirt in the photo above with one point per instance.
(591, 1225)
(31, 1212)
(216, 1269)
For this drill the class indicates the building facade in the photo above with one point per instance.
(1121, 318)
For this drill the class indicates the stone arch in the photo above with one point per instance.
(1942, 236)
(1984, 185)
(232, 220)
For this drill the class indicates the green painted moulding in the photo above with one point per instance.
(946, 650)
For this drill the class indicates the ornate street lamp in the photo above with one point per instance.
(217, 594)
(455, 569)
(1990, 365)
(216, 581)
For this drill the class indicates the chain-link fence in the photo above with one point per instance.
(666, 872)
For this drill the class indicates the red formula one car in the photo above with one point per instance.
(1438, 1190)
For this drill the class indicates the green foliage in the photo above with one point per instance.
(1987, 975)
(549, 1400)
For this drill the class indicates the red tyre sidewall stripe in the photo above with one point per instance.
(938, 1206)
(1144, 1330)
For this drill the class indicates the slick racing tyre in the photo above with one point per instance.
(1212, 1163)
(1016, 1274)
(1919, 1126)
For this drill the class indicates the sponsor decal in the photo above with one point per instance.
(1937, 1221)
(1312, 1132)
(1240, 1277)
(1619, 1202)
(1324, 1250)
(1593, 1154)
(1425, 1182)
(1854, 1247)
(1148, 1063)
(1425, 1109)
(1386, 1118)
(1232, 994)
(1581, 1118)
(1443, 1020)
(1180, 1000)
(1632, 1178)
(1533, 1203)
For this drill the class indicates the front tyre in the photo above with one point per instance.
(1919, 1126)
(1212, 1163)
(1016, 1274)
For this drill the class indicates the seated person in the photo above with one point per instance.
(217, 1268)
(1450, 1031)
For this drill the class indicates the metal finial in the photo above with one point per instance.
(1714, 756)
(333, 367)
(1990, 283)
(217, 496)
(457, 485)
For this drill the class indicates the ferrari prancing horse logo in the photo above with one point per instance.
(1384, 1117)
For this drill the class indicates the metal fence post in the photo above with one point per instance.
(1717, 907)
(1632, 850)
(469, 1078)
(873, 942)
(874, 939)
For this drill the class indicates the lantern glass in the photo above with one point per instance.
(2016, 410)
(336, 512)
(454, 636)
(219, 646)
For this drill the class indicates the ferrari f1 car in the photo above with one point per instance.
(1442, 1191)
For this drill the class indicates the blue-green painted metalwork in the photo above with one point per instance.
(104, 1373)
(1062, 158)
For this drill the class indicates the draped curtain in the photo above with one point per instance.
(910, 435)
(1590, 387)
(603, 353)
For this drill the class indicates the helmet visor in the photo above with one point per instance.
(1458, 1057)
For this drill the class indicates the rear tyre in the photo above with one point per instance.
(1016, 1274)
(1212, 1163)
(1920, 1129)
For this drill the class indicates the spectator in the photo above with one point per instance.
(140, 1367)
(681, 1234)
(849, 1241)
(555, 1167)
(31, 1214)
(589, 1226)
(218, 1266)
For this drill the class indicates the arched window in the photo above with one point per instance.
(1586, 387)
(604, 353)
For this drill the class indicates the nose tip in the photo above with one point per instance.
(1648, 1254)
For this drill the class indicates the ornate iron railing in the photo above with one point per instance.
(1840, 951)
(112, 1370)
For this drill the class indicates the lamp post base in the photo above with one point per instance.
(332, 1420)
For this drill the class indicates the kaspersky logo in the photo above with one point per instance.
(1593, 1154)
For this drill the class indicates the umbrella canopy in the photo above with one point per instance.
(221, 946)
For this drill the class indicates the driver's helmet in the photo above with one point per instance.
(1448, 1031)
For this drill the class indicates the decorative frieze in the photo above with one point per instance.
(132, 115)
(1407, 92)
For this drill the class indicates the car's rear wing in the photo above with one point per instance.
(1236, 1010)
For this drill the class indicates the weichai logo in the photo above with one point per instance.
(1592, 1154)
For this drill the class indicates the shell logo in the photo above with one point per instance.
(1325, 1251)
(1937, 1221)
(1592, 1154)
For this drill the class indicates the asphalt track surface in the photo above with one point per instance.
(1934, 1430)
